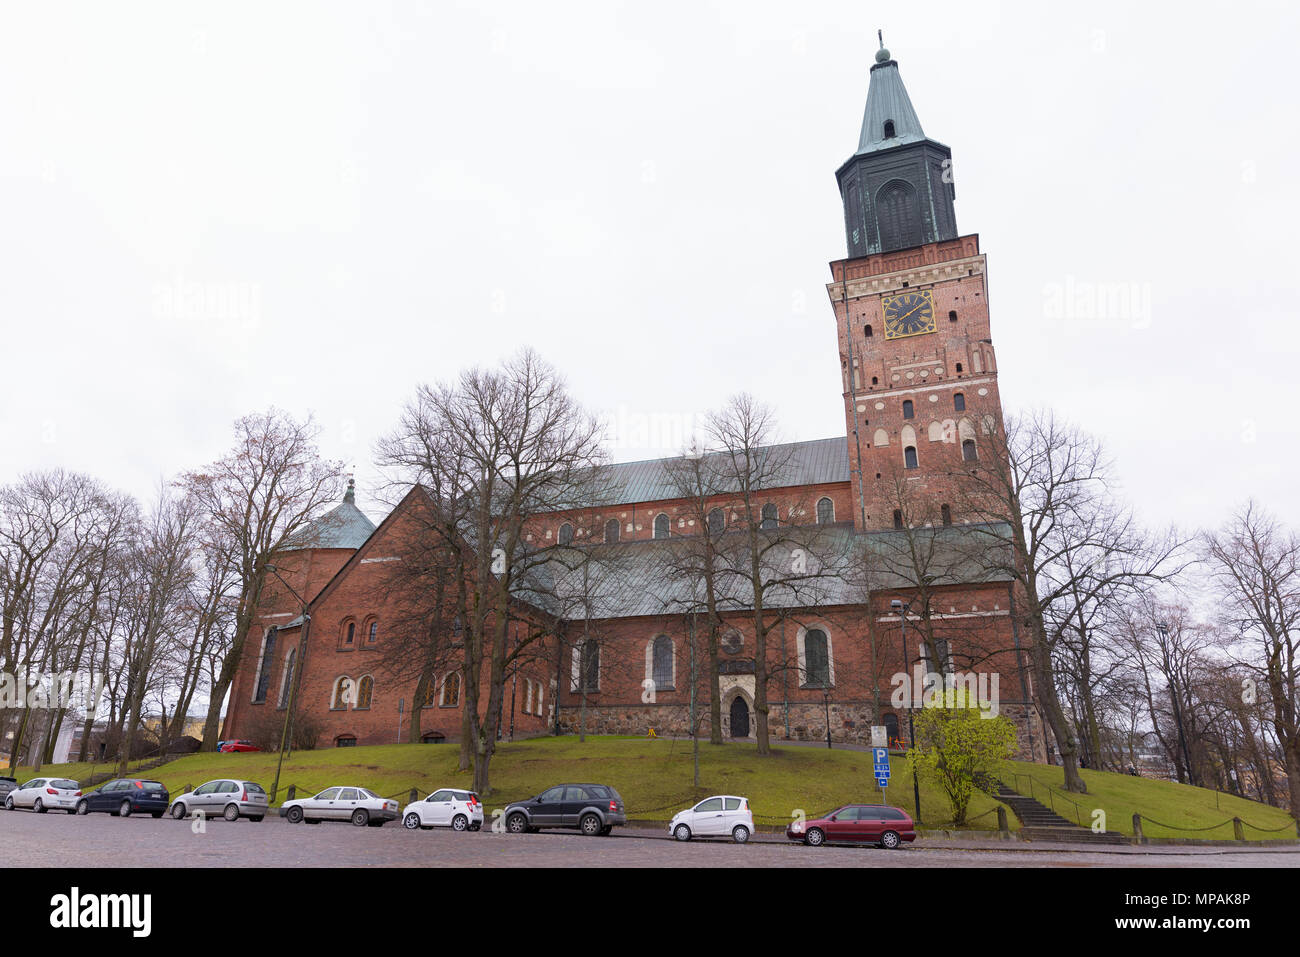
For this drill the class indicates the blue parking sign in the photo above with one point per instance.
(880, 757)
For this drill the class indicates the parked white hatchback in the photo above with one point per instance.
(45, 794)
(450, 807)
(359, 805)
(722, 815)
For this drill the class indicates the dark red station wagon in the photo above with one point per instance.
(856, 824)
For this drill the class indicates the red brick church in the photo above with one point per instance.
(920, 392)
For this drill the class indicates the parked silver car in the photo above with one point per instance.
(225, 798)
(359, 805)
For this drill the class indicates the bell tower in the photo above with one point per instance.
(916, 350)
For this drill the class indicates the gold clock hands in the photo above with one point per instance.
(901, 318)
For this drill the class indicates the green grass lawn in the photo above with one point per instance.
(1178, 807)
(76, 771)
(654, 777)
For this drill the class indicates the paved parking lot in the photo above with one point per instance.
(98, 840)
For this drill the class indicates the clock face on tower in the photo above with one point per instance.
(908, 314)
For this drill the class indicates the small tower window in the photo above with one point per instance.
(946, 512)
(661, 525)
(959, 401)
(952, 315)
(959, 368)
(611, 530)
(908, 410)
(898, 518)
(889, 129)
(866, 331)
(909, 456)
(875, 380)
(566, 534)
(968, 450)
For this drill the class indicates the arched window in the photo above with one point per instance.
(875, 380)
(825, 511)
(661, 525)
(770, 516)
(952, 315)
(430, 692)
(898, 216)
(959, 401)
(566, 534)
(286, 681)
(815, 659)
(909, 457)
(717, 521)
(264, 671)
(611, 531)
(344, 691)
(450, 690)
(968, 452)
(898, 518)
(349, 634)
(365, 691)
(959, 368)
(661, 663)
(946, 512)
(909, 411)
(372, 634)
(866, 331)
(880, 439)
(889, 129)
(586, 667)
(891, 731)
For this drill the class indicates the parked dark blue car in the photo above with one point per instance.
(126, 796)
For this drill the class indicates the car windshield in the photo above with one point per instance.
(253, 788)
(66, 785)
(152, 785)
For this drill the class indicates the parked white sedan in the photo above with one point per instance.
(720, 816)
(45, 794)
(450, 807)
(360, 806)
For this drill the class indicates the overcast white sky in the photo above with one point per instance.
(209, 209)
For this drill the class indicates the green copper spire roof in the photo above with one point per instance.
(889, 119)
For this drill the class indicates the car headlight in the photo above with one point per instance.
(796, 826)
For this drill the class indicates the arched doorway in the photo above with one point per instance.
(739, 718)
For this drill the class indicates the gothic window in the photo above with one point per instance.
(909, 457)
(968, 452)
(825, 511)
(264, 673)
(889, 129)
(342, 693)
(959, 401)
(451, 690)
(365, 690)
(611, 531)
(717, 521)
(769, 516)
(909, 411)
(661, 525)
(430, 693)
(946, 512)
(286, 683)
(586, 667)
(566, 534)
(373, 635)
(898, 216)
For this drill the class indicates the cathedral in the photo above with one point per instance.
(920, 389)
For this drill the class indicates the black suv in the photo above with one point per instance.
(591, 808)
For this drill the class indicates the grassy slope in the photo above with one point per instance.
(1180, 805)
(654, 778)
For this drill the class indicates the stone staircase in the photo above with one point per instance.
(1041, 823)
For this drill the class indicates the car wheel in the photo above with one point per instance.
(178, 811)
(682, 832)
(411, 822)
(360, 817)
(815, 837)
(459, 822)
(9, 803)
(293, 815)
(517, 823)
(39, 806)
(740, 834)
(124, 810)
(890, 840)
(590, 825)
(231, 813)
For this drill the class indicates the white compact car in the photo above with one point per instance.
(360, 806)
(45, 794)
(450, 807)
(720, 816)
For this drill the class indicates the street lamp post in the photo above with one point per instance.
(903, 608)
(826, 701)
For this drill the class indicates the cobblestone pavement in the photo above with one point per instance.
(98, 840)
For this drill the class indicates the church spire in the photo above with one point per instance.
(897, 187)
